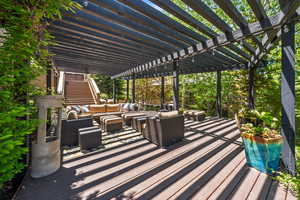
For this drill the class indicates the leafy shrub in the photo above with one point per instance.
(23, 57)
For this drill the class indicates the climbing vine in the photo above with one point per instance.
(23, 57)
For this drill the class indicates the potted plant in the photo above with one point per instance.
(261, 139)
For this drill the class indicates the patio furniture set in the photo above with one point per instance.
(161, 128)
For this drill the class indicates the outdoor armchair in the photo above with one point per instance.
(165, 129)
(69, 130)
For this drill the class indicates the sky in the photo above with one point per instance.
(152, 4)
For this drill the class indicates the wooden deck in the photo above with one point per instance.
(208, 164)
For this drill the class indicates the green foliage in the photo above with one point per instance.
(293, 182)
(105, 85)
(259, 123)
(23, 57)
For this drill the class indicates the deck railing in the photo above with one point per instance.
(61, 83)
(95, 90)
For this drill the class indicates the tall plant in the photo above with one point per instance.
(23, 56)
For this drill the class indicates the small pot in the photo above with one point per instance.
(263, 153)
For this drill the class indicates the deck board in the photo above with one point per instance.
(208, 164)
(169, 175)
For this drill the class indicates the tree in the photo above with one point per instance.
(105, 85)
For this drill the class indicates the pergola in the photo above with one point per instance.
(133, 39)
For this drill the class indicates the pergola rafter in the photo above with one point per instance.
(270, 26)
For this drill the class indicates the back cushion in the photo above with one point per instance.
(133, 107)
(97, 108)
(72, 115)
(102, 101)
(76, 108)
(112, 108)
(84, 109)
(125, 107)
(168, 114)
(110, 101)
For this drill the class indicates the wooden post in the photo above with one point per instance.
(162, 92)
(219, 97)
(288, 130)
(127, 90)
(251, 100)
(114, 90)
(175, 86)
(49, 79)
(133, 90)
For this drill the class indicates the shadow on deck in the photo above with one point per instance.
(208, 164)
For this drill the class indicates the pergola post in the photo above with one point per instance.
(127, 90)
(251, 91)
(288, 130)
(49, 79)
(133, 89)
(219, 97)
(114, 90)
(162, 92)
(175, 86)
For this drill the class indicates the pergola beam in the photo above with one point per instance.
(186, 17)
(258, 9)
(254, 28)
(236, 16)
(98, 27)
(102, 40)
(98, 11)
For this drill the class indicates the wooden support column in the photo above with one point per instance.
(133, 90)
(288, 130)
(162, 92)
(175, 86)
(114, 90)
(49, 79)
(127, 90)
(219, 96)
(251, 91)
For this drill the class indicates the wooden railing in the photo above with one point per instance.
(61, 83)
(95, 90)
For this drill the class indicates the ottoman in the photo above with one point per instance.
(137, 122)
(199, 116)
(102, 118)
(186, 114)
(89, 138)
(112, 124)
(127, 117)
(140, 123)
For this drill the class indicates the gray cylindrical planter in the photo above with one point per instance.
(46, 155)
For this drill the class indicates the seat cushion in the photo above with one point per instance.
(113, 120)
(97, 108)
(112, 108)
(199, 113)
(131, 115)
(168, 114)
(102, 118)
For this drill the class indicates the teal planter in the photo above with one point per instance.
(263, 154)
